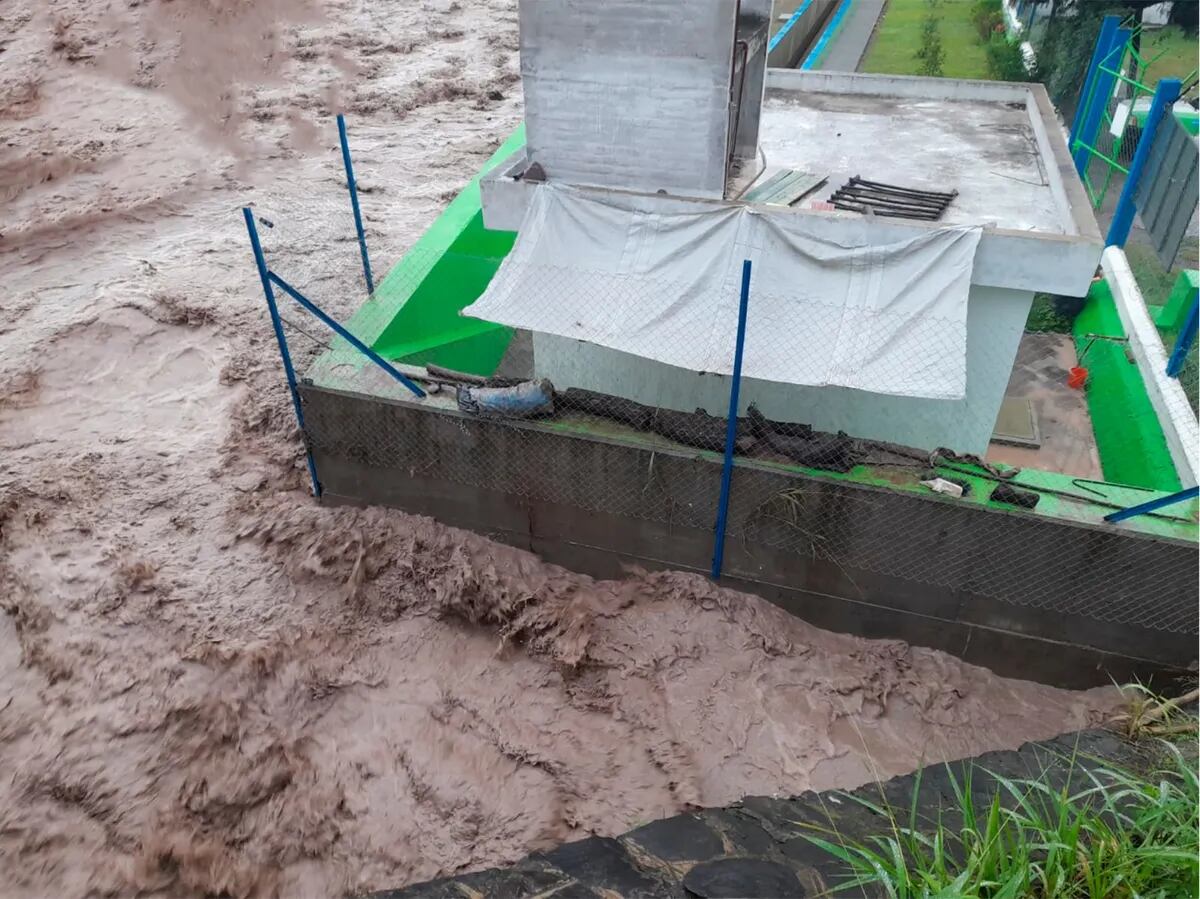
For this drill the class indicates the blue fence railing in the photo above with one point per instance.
(271, 281)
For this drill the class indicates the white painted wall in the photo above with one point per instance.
(995, 320)
(1175, 414)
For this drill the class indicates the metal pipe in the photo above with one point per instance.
(731, 427)
(889, 199)
(895, 188)
(886, 211)
(353, 185)
(1085, 120)
(265, 276)
(1150, 506)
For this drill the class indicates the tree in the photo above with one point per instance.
(1070, 34)
(1186, 14)
(930, 53)
(1005, 60)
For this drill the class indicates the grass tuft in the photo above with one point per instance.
(1116, 835)
(1149, 715)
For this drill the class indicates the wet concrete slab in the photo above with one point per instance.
(1067, 443)
(985, 150)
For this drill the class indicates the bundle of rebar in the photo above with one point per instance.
(861, 195)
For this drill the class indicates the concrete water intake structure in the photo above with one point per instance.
(600, 254)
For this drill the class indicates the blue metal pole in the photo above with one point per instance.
(344, 334)
(1093, 95)
(1152, 505)
(1183, 342)
(1165, 96)
(731, 426)
(353, 185)
(264, 276)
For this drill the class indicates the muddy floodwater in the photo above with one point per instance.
(211, 685)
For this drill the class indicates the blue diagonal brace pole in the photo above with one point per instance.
(731, 427)
(353, 186)
(264, 276)
(344, 334)
(1096, 88)
(1153, 505)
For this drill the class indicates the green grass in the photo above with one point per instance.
(899, 34)
(1154, 281)
(1178, 52)
(1109, 834)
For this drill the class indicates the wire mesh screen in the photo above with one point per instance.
(1189, 374)
(1111, 150)
(863, 448)
(557, 421)
(313, 244)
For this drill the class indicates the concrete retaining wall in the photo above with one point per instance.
(789, 50)
(1026, 595)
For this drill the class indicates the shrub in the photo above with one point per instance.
(1005, 60)
(1048, 315)
(987, 15)
(931, 54)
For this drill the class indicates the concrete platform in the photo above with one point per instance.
(983, 149)
(1067, 442)
(998, 144)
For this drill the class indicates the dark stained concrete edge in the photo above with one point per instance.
(760, 846)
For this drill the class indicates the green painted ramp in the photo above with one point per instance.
(1129, 437)
(414, 315)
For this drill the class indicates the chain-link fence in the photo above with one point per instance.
(312, 241)
(862, 448)
(1189, 371)
(536, 425)
(1114, 105)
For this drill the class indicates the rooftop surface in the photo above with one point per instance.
(987, 151)
(1000, 145)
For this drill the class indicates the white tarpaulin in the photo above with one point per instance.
(659, 277)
